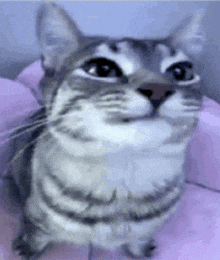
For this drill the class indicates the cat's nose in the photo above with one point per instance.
(156, 93)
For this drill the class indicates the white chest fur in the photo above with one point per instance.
(126, 170)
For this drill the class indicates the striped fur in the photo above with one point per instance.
(108, 167)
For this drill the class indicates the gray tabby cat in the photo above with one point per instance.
(107, 168)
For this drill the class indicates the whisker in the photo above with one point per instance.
(20, 152)
(10, 131)
(37, 116)
(47, 106)
(18, 128)
(25, 126)
(26, 131)
(28, 127)
(34, 125)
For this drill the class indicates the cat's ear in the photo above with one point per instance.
(58, 35)
(189, 35)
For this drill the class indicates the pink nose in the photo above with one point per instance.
(156, 93)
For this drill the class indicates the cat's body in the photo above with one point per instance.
(108, 167)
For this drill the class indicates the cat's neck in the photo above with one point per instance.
(125, 170)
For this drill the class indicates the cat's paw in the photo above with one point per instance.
(23, 248)
(140, 251)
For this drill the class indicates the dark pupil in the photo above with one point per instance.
(103, 70)
(179, 73)
(102, 67)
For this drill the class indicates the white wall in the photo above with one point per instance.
(18, 45)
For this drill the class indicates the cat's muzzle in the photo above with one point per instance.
(156, 93)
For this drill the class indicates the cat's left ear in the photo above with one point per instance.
(190, 35)
(58, 35)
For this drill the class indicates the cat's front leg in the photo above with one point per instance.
(139, 249)
(31, 240)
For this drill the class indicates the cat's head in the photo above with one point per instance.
(118, 89)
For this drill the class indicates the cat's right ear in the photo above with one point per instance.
(189, 35)
(58, 36)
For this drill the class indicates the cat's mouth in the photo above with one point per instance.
(133, 119)
(130, 119)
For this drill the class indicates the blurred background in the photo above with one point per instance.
(19, 47)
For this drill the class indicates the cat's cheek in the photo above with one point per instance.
(172, 107)
(139, 106)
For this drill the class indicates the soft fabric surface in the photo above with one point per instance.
(192, 233)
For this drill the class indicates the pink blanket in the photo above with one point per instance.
(193, 232)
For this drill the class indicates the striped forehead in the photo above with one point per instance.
(168, 58)
(133, 57)
(122, 53)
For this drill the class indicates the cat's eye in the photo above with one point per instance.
(101, 67)
(181, 71)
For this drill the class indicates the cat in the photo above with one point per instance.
(104, 162)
